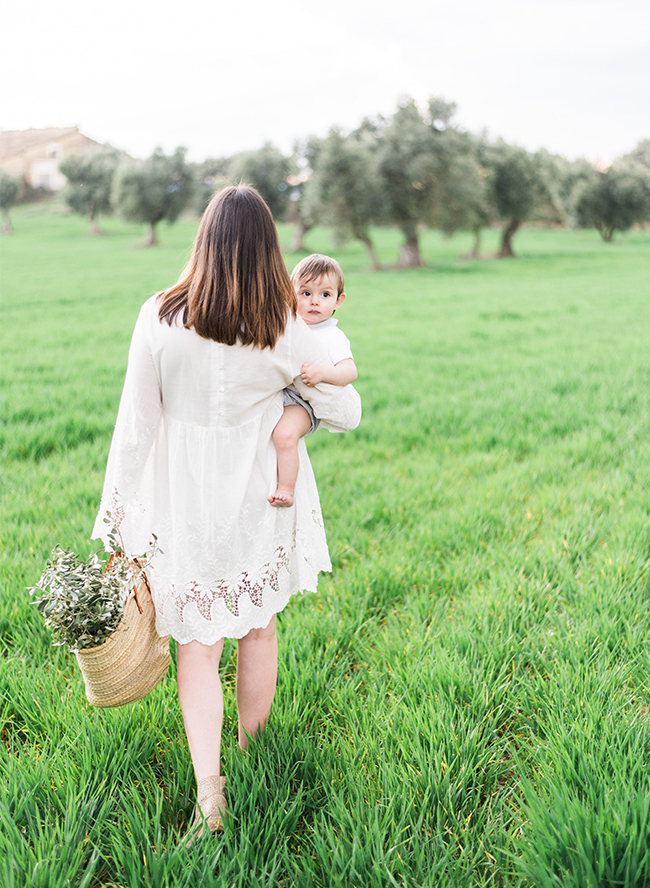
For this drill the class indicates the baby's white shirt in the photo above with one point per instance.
(334, 340)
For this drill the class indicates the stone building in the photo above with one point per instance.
(34, 154)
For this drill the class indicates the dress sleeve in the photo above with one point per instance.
(337, 407)
(127, 493)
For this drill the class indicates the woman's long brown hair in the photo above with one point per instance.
(236, 287)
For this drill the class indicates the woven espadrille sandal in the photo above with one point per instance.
(210, 807)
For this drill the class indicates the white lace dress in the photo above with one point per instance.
(192, 460)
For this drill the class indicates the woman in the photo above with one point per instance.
(192, 460)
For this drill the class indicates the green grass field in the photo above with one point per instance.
(465, 702)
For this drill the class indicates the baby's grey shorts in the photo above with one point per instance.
(291, 396)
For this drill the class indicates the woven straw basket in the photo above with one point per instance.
(130, 664)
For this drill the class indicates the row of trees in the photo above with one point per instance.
(419, 169)
(148, 192)
(107, 181)
(415, 169)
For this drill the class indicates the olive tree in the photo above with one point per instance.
(416, 156)
(405, 170)
(640, 154)
(9, 193)
(616, 200)
(345, 188)
(156, 189)
(464, 203)
(266, 170)
(90, 183)
(516, 187)
(571, 179)
(209, 176)
(301, 211)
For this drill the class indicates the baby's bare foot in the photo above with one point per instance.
(283, 497)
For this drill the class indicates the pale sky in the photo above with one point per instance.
(572, 76)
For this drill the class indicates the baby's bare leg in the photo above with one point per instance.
(294, 423)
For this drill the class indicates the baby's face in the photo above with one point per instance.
(317, 299)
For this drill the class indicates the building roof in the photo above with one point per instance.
(14, 142)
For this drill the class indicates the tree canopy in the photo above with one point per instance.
(616, 200)
(300, 210)
(464, 203)
(209, 177)
(516, 186)
(90, 183)
(407, 166)
(266, 170)
(157, 189)
(421, 167)
(416, 169)
(640, 154)
(345, 188)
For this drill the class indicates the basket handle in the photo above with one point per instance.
(141, 573)
(145, 580)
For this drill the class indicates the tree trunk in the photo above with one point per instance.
(371, 254)
(410, 252)
(6, 222)
(297, 246)
(476, 249)
(506, 243)
(93, 231)
(151, 240)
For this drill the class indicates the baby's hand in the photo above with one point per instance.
(311, 374)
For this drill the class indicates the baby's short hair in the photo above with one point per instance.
(312, 267)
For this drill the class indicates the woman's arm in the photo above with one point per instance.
(136, 426)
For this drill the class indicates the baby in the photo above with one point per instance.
(318, 281)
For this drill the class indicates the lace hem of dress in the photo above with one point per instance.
(207, 618)
(204, 596)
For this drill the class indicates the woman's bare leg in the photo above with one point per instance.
(201, 698)
(294, 423)
(257, 672)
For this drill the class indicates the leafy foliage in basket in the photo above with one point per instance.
(83, 601)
